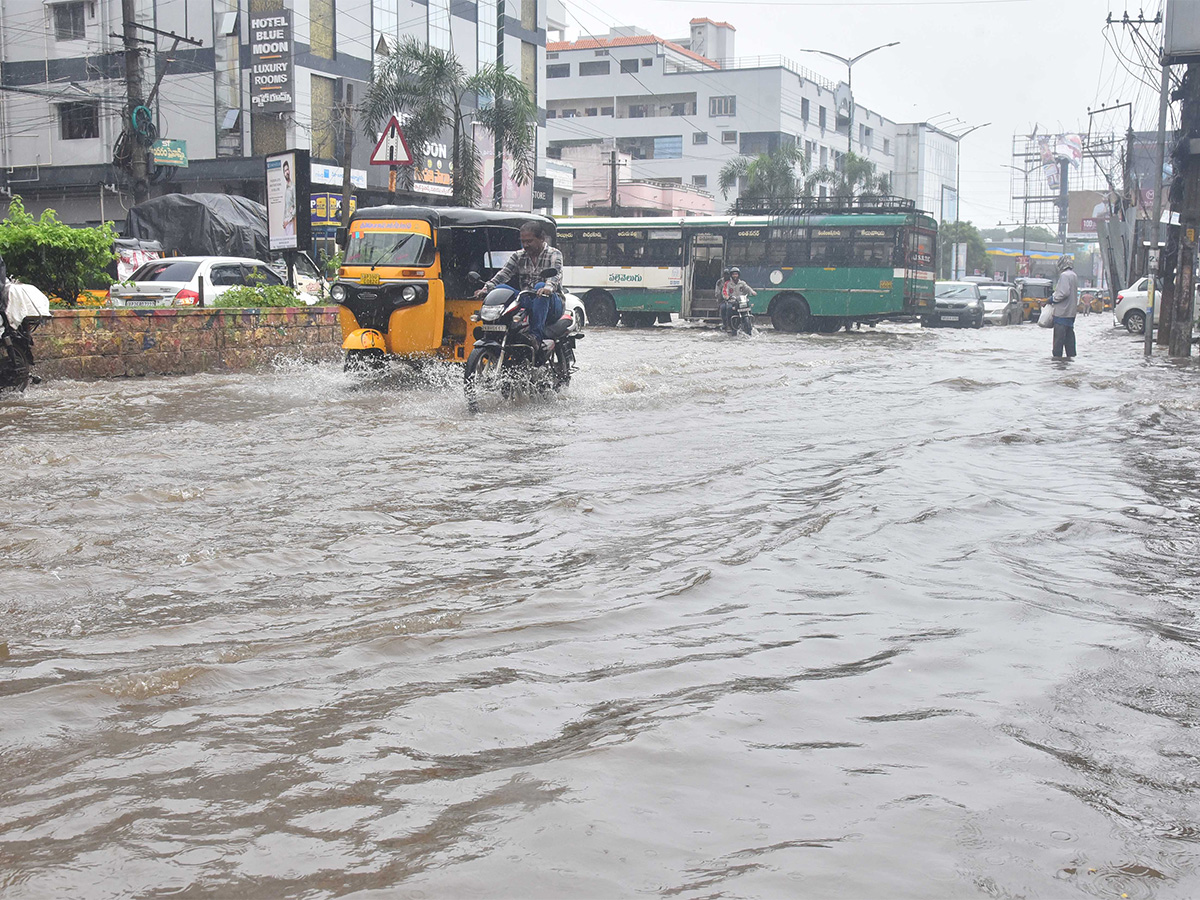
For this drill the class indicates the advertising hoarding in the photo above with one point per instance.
(326, 209)
(287, 193)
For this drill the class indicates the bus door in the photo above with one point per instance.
(919, 272)
(706, 253)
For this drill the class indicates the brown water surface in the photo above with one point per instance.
(888, 614)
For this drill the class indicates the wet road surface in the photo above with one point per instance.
(897, 613)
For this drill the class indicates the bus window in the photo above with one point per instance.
(628, 248)
(664, 247)
(588, 248)
(872, 253)
(787, 247)
(829, 253)
(746, 253)
(920, 250)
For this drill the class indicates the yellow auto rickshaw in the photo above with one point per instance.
(407, 281)
(1034, 294)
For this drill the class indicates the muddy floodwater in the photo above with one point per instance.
(896, 613)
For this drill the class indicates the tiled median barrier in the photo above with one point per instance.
(111, 343)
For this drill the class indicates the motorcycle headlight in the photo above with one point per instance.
(338, 293)
(409, 294)
(489, 313)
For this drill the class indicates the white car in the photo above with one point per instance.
(193, 281)
(574, 306)
(1130, 308)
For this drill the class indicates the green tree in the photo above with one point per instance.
(958, 233)
(431, 90)
(767, 175)
(854, 177)
(60, 260)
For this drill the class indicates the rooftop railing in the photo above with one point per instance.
(760, 62)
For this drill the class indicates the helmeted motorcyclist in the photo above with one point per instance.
(735, 290)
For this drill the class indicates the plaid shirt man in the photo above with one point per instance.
(530, 269)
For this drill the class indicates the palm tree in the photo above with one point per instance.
(767, 176)
(431, 91)
(855, 177)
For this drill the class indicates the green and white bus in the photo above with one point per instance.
(815, 268)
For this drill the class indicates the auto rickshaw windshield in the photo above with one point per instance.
(386, 248)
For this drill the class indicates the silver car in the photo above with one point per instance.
(1001, 303)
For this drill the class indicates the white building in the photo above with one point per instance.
(927, 169)
(681, 109)
(63, 92)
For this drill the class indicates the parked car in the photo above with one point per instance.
(193, 281)
(575, 307)
(1130, 309)
(956, 303)
(1001, 303)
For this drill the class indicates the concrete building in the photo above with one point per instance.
(681, 109)
(63, 90)
(926, 169)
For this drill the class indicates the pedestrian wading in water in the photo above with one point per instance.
(1066, 303)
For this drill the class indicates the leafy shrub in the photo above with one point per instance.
(260, 295)
(60, 260)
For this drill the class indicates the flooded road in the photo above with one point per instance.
(897, 613)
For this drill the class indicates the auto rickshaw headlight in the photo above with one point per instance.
(338, 293)
(409, 294)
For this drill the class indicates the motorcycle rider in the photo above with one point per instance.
(735, 290)
(536, 256)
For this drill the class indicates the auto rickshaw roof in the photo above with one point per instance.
(453, 216)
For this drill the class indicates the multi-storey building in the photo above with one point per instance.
(63, 87)
(682, 109)
(926, 169)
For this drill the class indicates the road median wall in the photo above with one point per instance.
(115, 343)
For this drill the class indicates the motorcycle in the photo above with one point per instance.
(741, 318)
(22, 309)
(505, 359)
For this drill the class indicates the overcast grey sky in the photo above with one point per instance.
(1013, 63)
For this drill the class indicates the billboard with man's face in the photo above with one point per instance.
(287, 200)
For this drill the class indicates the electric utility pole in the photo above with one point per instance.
(134, 102)
(347, 148)
(1180, 340)
(612, 189)
(139, 131)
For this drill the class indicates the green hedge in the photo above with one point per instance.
(266, 295)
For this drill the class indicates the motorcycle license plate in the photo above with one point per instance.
(369, 278)
(494, 327)
(949, 318)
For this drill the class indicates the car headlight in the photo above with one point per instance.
(409, 294)
(338, 293)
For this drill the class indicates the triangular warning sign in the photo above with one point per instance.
(392, 149)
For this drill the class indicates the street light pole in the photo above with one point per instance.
(957, 191)
(849, 64)
(1025, 198)
(958, 166)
